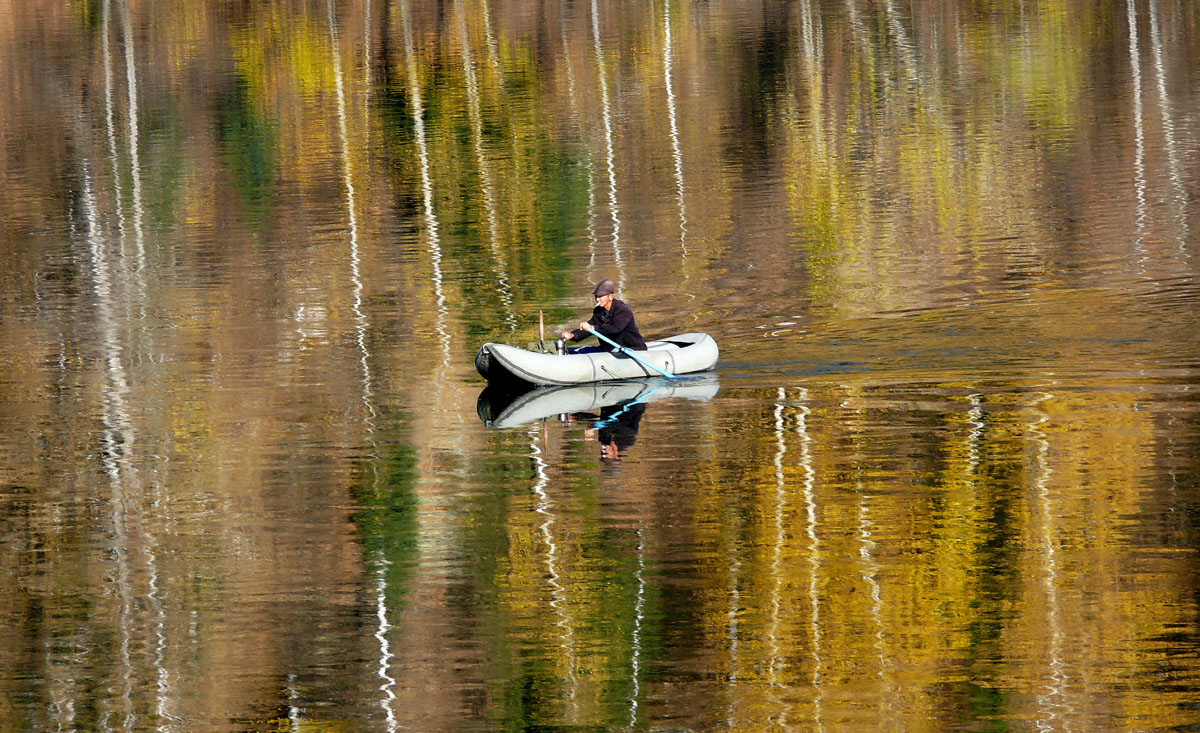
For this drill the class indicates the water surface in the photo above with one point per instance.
(944, 476)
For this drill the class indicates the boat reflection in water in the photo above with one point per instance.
(614, 408)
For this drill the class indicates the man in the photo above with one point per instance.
(611, 318)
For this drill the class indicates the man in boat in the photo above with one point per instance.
(612, 318)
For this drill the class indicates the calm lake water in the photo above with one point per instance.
(945, 476)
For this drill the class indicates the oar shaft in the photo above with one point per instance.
(628, 352)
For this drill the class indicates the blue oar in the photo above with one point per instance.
(630, 354)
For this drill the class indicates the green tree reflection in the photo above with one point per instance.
(387, 518)
(248, 140)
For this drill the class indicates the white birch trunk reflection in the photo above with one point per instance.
(857, 28)
(673, 129)
(429, 215)
(475, 118)
(117, 439)
(1053, 703)
(908, 51)
(135, 166)
(813, 52)
(558, 592)
(162, 675)
(361, 324)
(871, 569)
(870, 575)
(776, 665)
(814, 559)
(366, 94)
(489, 36)
(109, 115)
(387, 683)
(975, 419)
(577, 115)
(1179, 196)
(610, 156)
(1139, 136)
(361, 328)
(132, 536)
(732, 623)
(639, 610)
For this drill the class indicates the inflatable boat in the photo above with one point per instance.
(514, 367)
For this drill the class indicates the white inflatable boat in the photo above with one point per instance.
(510, 366)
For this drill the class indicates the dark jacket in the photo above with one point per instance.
(617, 324)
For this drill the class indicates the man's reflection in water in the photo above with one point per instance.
(616, 429)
